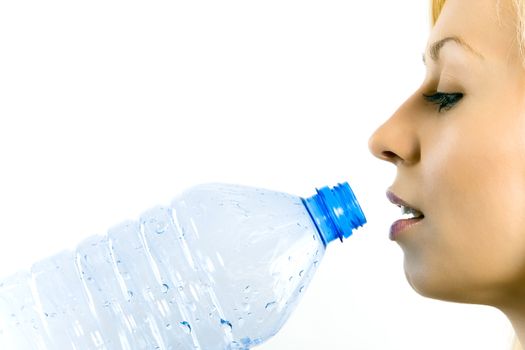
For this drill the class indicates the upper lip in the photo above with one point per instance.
(392, 197)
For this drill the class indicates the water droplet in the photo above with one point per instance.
(301, 289)
(107, 303)
(290, 279)
(270, 306)
(181, 288)
(186, 326)
(130, 294)
(168, 326)
(301, 273)
(316, 263)
(161, 227)
(226, 323)
(289, 258)
(246, 289)
(165, 288)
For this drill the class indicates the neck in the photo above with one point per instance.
(516, 316)
(517, 345)
(518, 323)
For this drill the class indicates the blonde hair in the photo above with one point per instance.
(520, 10)
(435, 9)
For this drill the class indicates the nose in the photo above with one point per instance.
(396, 141)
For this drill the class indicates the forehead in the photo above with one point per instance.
(489, 26)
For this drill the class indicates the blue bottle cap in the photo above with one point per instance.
(335, 212)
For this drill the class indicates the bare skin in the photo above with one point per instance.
(464, 166)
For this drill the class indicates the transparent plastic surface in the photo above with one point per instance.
(221, 268)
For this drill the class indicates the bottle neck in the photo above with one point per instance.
(335, 212)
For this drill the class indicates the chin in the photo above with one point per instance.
(443, 288)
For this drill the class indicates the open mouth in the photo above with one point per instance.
(409, 215)
(407, 211)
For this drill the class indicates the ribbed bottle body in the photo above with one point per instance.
(222, 267)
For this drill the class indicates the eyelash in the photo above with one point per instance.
(444, 100)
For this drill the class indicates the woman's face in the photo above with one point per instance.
(463, 166)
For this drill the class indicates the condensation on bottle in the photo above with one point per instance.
(222, 267)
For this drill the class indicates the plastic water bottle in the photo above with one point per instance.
(221, 268)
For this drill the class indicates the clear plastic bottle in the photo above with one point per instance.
(221, 268)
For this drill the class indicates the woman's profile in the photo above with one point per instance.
(458, 143)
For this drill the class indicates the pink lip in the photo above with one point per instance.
(396, 200)
(404, 224)
(401, 225)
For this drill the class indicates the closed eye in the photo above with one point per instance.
(443, 100)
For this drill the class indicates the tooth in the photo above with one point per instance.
(407, 216)
(410, 213)
(406, 213)
(406, 210)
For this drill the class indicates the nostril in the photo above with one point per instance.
(389, 155)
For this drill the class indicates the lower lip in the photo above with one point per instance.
(400, 226)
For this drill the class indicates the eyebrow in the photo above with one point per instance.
(436, 47)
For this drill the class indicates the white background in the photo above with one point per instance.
(108, 108)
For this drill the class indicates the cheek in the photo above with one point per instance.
(475, 173)
(474, 192)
